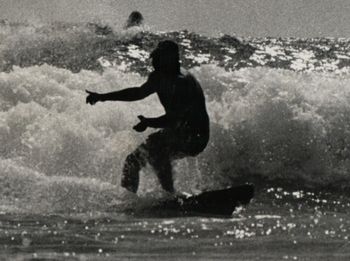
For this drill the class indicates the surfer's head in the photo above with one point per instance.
(166, 58)
(135, 19)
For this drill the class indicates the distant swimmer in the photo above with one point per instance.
(184, 126)
(135, 19)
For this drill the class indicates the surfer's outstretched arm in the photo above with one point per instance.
(128, 94)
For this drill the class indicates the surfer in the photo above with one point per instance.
(184, 126)
(134, 19)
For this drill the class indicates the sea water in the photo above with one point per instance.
(279, 111)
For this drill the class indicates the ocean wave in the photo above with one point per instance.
(271, 124)
(96, 46)
(26, 190)
(278, 108)
(283, 125)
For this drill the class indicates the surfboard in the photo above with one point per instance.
(210, 203)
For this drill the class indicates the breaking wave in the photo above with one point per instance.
(269, 123)
(287, 122)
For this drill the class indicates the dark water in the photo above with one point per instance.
(284, 226)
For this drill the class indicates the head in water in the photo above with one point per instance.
(166, 58)
(135, 19)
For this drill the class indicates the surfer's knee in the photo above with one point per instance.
(131, 159)
(135, 159)
(130, 183)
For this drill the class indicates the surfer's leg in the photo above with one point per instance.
(158, 147)
(132, 166)
(137, 160)
(162, 167)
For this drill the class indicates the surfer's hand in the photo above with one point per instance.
(92, 97)
(142, 125)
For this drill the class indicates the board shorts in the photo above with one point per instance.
(168, 143)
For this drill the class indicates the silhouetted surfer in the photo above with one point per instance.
(135, 19)
(185, 125)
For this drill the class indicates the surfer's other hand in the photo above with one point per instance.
(92, 97)
(142, 125)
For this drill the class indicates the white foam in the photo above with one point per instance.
(199, 58)
(135, 52)
(267, 217)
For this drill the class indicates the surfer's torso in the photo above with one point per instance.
(184, 102)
